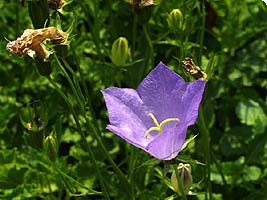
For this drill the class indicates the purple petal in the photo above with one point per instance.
(162, 91)
(169, 143)
(127, 115)
(191, 100)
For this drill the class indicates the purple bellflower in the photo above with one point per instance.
(155, 117)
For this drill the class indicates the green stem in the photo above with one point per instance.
(91, 123)
(218, 165)
(206, 143)
(132, 163)
(91, 154)
(150, 59)
(64, 175)
(75, 80)
(202, 33)
(135, 20)
(95, 130)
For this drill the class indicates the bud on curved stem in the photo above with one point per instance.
(51, 147)
(186, 179)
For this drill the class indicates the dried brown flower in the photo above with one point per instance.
(55, 4)
(142, 3)
(193, 70)
(31, 40)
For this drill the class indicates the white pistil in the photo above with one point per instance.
(158, 126)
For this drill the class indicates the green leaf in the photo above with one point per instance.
(250, 113)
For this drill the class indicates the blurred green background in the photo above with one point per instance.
(227, 39)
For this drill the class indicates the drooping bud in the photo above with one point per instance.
(184, 171)
(51, 146)
(175, 19)
(44, 67)
(143, 8)
(120, 51)
(34, 117)
(61, 50)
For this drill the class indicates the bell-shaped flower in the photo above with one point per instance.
(155, 117)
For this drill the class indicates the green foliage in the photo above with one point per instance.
(227, 39)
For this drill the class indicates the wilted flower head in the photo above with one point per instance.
(195, 71)
(55, 4)
(31, 40)
(142, 3)
(143, 8)
(155, 117)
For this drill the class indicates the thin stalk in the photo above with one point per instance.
(202, 33)
(64, 175)
(201, 120)
(75, 80)
(70, 82)
(87, 95)
(91, 154)
(219, 168)
(134, 30)
(132, 164)
(122, 177)
(150, 59)
(206, 143)
(96, 133)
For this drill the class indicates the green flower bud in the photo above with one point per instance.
(120, 51)
(51, 147)
(184, 171)
(175, 19)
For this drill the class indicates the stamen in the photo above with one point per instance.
(158, 126)
(167, 121)
(154, 119)
(150, 130)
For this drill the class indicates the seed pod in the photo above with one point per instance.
(61, 50)
(120, 51)
(184, 171)
(44, 67)
(51, 147)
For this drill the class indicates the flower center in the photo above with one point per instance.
(158, 126)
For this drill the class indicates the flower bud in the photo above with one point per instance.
(50, 147)
(120, 51)
(175, 19)
(44, 67)
(184, 171)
